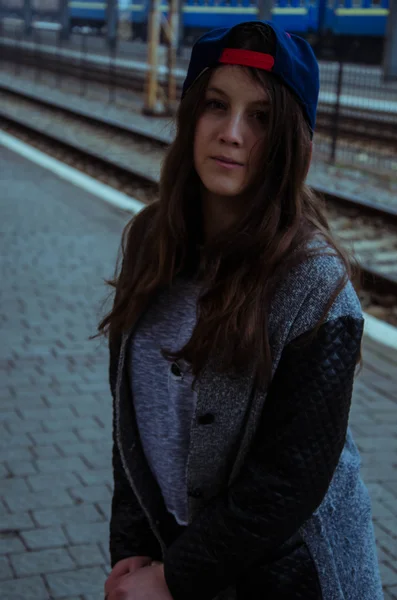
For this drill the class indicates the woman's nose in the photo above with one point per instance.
(232, 130)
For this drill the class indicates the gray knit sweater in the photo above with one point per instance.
(164, 401)
(276, 504)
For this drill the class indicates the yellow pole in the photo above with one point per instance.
(173, 22)
(151, 106)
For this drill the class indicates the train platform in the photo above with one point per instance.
(58, 243)
(363, 88)
(125, 109)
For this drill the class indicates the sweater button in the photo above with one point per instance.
(206, 419)
(195, 493)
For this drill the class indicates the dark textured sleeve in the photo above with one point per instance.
(286, 474)
(130, 532)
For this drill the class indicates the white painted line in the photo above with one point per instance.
(374, 328)
(368, 104)
(380, 331)
(91, 185)
(13, 21)
(47, 25)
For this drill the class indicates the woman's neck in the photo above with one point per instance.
(219, 213)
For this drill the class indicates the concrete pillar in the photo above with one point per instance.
(152, 104)
(265, 10)
(27, 16)
(64, 19)
(390, 51)
(111, 22)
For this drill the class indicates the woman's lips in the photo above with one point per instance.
(226, 163)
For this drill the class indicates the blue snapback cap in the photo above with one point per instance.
(293, 62)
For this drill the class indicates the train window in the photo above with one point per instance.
(376, 2)
(357, 3)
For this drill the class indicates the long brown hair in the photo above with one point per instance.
(238, 270)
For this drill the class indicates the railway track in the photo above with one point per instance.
(129, 158)
(378, 129)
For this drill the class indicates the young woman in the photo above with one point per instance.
(234, 339)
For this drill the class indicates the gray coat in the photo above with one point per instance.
(277, 507)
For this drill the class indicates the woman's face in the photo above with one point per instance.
(230, 130)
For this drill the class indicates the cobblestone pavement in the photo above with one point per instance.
(57, 243)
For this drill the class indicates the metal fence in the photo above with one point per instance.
(357, 112)
(83, 61)
(357, 117)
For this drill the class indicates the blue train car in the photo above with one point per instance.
(298, 16)
(353, 29)
(356, 18)
(200, 15)
(87, 12)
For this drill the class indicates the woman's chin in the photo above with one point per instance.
(224, 191)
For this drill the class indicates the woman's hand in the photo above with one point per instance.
(125, 567)
(145, 584)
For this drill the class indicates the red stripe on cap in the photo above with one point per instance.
(247, 58)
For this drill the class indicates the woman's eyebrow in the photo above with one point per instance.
(217, 91)
(264, 102)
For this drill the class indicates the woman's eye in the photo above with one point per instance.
(262, 117)
(215, 104)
